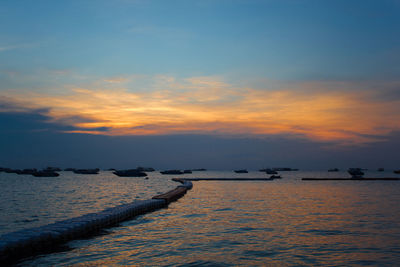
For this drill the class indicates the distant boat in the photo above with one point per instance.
(53, 169)
(176, 172)
(199, 170)
(397, 171)
(355, 172)
(86, 171)
(275, 177)
(284, 169)
(241, 171)
(333, 170)
(130, 173)
(145, 169)
(26, 171)
(45, 173)
(187, 171)
(381, 169)
(270, 171)
(8, 170)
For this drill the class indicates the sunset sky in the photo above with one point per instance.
(221, 84)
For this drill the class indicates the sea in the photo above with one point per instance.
(283, 222)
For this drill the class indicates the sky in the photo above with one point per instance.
(188, 84)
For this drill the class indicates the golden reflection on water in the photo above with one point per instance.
(321, 219)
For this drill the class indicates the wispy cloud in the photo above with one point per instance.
(8, 47)
(15, 46)
(346, 113)
(116, 79)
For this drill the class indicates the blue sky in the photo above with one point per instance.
(283, 40)
(321, 72)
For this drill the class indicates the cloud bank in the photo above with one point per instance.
(346, 113)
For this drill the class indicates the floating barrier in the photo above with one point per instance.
(173, 194)
(226, 179)
(351, 179)
(23, 243)
(184, 183)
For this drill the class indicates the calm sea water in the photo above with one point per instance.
(27, 201)
(281, 222)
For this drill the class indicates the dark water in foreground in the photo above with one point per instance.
(280, 222)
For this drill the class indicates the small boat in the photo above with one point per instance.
(46, 173)
(175, 172)
(275, 177)
(270, 171)
(241, 171)
(8, 170)
(187, 171)
(86, 171)
(130, 173)
(355, 172)
(397, 171)
(333, 170)
(27, 171)
(53, 169)
(145, 169)
(285, 169)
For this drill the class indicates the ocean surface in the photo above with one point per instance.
(284, 222)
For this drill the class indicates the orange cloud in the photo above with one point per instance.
(339, 112)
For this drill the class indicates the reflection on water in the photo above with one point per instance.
(280, 222)
(27, 201)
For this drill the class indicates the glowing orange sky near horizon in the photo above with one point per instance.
(212, 107)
